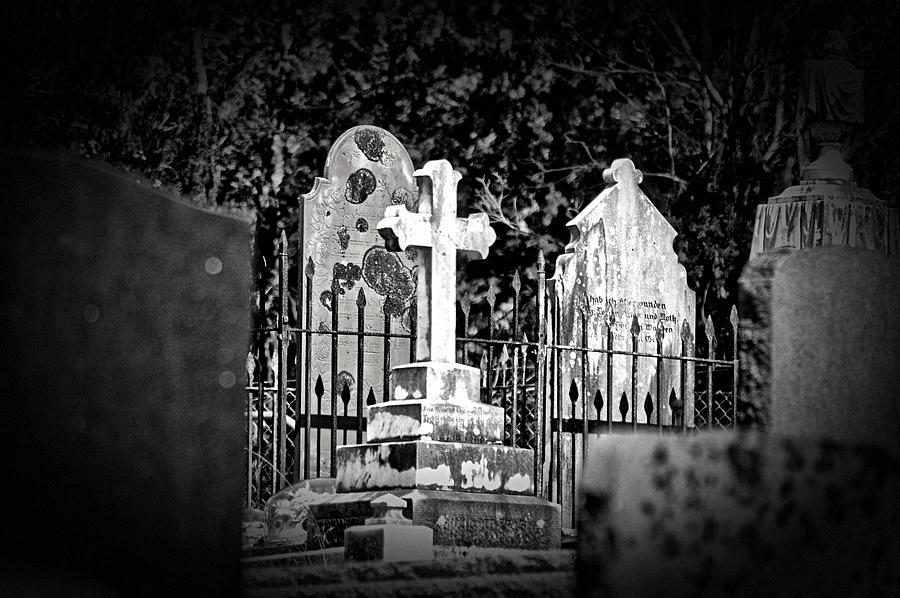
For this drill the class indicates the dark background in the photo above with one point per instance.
(235, 105)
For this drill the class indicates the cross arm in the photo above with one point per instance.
(475, 234)
(401, 228)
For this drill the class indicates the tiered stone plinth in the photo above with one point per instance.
(434, 419)
(444, 459)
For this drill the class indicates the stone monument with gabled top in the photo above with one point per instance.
(620, 282)
(434, 444)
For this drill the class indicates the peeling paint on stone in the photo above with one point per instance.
(518, 483)
(469, 422)
(435, 476)
(374, 470)
(477, 475)
(387, 425)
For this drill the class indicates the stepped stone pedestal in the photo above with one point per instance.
(443, 458)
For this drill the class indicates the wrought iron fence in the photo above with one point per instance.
(292, 434)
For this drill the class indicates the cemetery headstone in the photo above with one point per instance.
(430, 449)
(738, 514)
(820, 337)
(367, 169)
(125, 335)
(620, 263)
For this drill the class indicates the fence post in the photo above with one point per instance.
(610, 341)
(711, 347)
(491, 300)
(540, 394)
(514, 405)
(283, 341)
(635, 331)
(734, 364)
(584, 391)
(335, 309)
(685, 344)
(360, 352)
(660, 335)
(307, 369)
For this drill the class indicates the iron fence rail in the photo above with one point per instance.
(290, 417)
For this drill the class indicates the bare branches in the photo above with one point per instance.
(686, 47)
(491, 203)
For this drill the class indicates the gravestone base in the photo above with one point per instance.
(435, 380)
(456, 518)
(435, 465)
(435, 419)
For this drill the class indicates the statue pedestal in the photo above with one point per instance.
(441, 453)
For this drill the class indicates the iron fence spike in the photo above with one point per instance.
(623, 405)
(573, 391)
(504, 356)
(635, 325)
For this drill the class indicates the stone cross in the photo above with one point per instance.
(438, 234)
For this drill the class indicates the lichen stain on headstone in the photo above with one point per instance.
(347, 276)
(326, 299)
(360, 185)
(405, 197)
(343, 237)
(386, 274)
(344, 377)
(370, 142)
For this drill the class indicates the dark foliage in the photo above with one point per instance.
(236, 103)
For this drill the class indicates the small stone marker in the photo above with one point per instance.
(434, 443)
(388, 535)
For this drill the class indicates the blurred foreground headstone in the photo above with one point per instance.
(125, 320)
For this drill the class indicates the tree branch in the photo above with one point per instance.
(686, 46)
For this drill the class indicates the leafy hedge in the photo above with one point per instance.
(235, 104)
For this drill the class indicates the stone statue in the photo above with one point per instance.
(830, 104)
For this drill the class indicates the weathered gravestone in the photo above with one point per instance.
(125, 334)
(367, 170)
(433, 444)
(820, 341)
(619, 264)
(738, 514)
